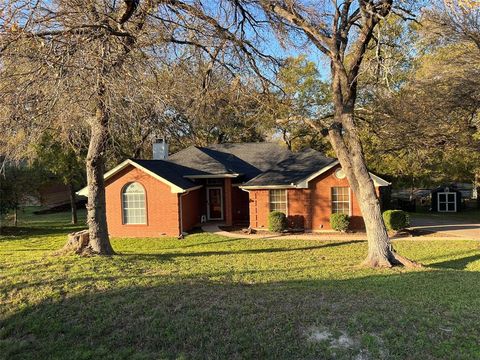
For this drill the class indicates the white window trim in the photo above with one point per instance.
(221, 202)
(446, 201)
(350, 207)
(286, 201)
(124, 222)
(349, 199)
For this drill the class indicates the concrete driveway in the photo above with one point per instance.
(443, 226)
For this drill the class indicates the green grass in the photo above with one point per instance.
(472, 215)
(212, 297)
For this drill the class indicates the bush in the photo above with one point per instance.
(340, 222)
(396, 219)
(277, 221)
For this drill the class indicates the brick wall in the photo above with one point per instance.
(308, 208)
(299, 208)
(259, 208)
(162, 206)
(321, 187)
(240, 205)
(192, 209)
(227, 202)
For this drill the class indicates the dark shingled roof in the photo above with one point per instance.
(246, 159)
(171, 172)
(257, 164)
(297, 167)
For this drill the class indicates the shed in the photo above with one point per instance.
(446, 199)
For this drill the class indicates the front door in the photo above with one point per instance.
(215, 203)
(447, 202)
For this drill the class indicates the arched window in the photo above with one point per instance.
(133, 204)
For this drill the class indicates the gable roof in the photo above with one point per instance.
(292, 170)
(256, 165)
(244, 159)
(169, 173)
(298, 171)
(173, 173)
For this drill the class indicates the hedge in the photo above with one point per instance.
(277, 221)
(396, 219)
(339, 222)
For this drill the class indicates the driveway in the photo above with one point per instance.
(446, 226)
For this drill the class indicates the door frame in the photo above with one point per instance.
(221, 202)
(446, 201)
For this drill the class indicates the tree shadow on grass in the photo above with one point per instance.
(23, 232)
(194, 318)
(458, 264)
(165, 256)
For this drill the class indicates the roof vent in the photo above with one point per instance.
(160, 149)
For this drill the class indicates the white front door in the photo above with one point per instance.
(215, 203)
(447, 202)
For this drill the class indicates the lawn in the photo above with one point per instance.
(470, 215)
(221, 298)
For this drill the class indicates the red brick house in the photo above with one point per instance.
(228, 183)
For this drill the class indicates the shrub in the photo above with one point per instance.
(277, 221)
(340, 222)
(396, 219)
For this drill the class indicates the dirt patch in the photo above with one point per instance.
(342, 341)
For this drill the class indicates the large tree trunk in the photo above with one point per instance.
(73, 204)
(96, 211)
(346, 143)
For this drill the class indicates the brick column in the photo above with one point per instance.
(228, 202)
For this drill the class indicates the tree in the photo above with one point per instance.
(459, 21)
(304, 98)
(18, 182)
(82, 62)
(342, 31)
(207, 104)
(61, 160)
(423, 129)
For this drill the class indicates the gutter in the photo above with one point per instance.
(270, 187)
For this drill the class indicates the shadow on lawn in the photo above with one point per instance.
(194, 318)
(165, 256)
(20, 232)
(458, 264)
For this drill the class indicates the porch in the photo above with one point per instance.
(220, 201)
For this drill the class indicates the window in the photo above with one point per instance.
(278, 200)
(447, 202)
(341, 200)
(133, 204)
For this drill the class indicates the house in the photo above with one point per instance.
(228, 183)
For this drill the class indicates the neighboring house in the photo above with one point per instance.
(228, 183)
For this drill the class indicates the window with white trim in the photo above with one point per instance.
(341, 200)
(278, 200)
(133, 204)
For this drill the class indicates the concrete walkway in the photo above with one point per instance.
(214, 229)
(447, 227)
